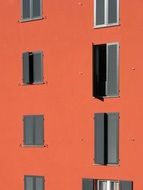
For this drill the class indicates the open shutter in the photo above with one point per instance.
(28, 183)
(112, 70)
(99, 12)
(87, 184)
(39, 129)
(39, 183)
(113, 139)
(38, 67)
(26, 78)
(36, 7)
(28, 130)
(99, 140)
(112, 11)
(126, 185)
(25, 9)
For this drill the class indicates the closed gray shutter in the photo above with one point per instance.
(28, 130)
(38, 67)
(36, 8)
(29, 183)
(25, 9)
(39, 183)
(113, 139)
(126, 185)
(39, 130)
(87, 184)
(112, 70)
(99, 140)
(100, 12)
(112, 11)
(26, 78)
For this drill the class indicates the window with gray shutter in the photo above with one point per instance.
(31, 9)
(32, 67)
(105, 70)
(106, 13)
(33, 130)
(126, 185)
(33, 183)
(88, 184)
(106, 138)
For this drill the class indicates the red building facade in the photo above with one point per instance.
(65, 33)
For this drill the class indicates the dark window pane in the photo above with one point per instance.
(28, 130)
(113, 121)
(25, 9)
(29, 183)
(112, 75)
(38, 67)
(26, 78)
(39, 130)
(112, 11)
(100, 12)
(39, 183)
(36, 8)
(99, 70)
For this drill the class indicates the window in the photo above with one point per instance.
(106, 13)
(106, 137)
(92, 184)
(32, 68)
(107, 185)
(105, 70)
(31, 9)
(33, 130)
(33, 183)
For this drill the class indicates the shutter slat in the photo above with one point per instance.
(87, 184)
(39, 129)
(38, 67)
(26, 78)
(126, 185)
(99, 139)
(113, 125)
(28, 130)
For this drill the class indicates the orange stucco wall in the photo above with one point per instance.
(65, 36)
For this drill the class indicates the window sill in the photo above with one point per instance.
(107, 165)
(31, 19)
(33, 146)
(107, 26)
(33, 84)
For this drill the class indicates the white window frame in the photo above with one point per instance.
(108, 182)
(106, 15)
(31, 11)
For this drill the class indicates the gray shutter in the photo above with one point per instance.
(126, 185)
(26, 67)
(99, 143)
(36, 8)
(29, 183)
(25, 9)
(100, 12)
(39, 183)
(38, 67)
(87, 184)
(113, 139)
(112, 11)
(39, 129)
(112, 70)
(28, 130)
